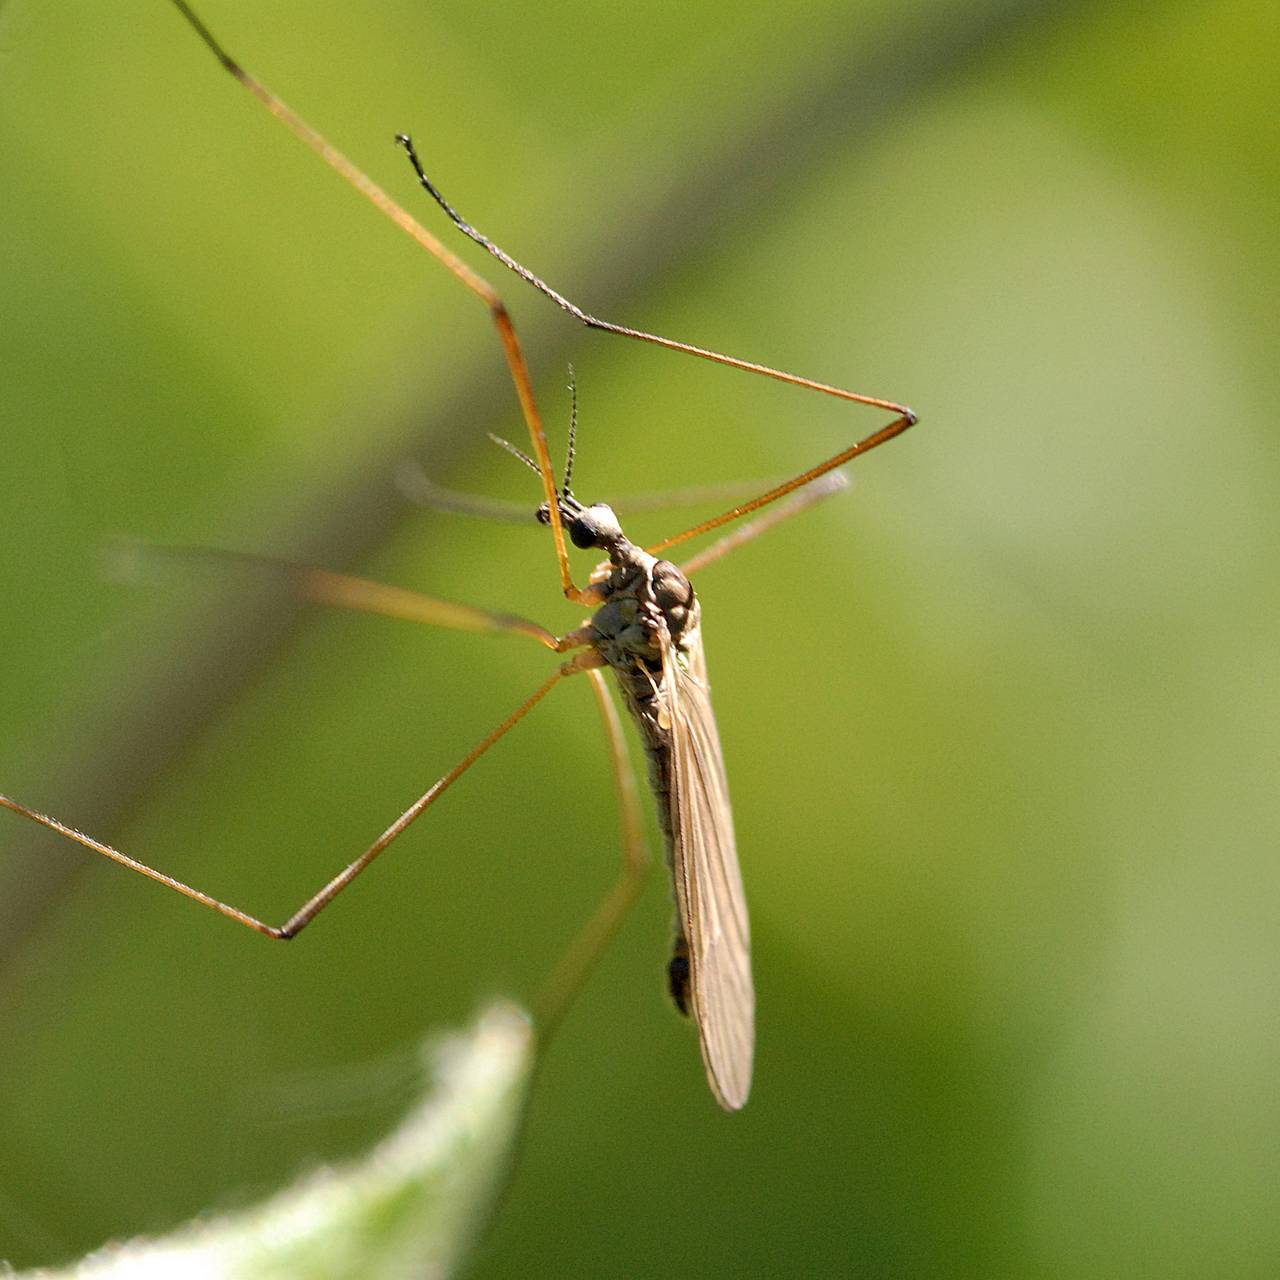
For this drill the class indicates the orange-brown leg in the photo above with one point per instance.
(827, 486)
(318, 901)
(477, 284)
(340, 590)
(607, 326)
(903, 416)
(345, 591)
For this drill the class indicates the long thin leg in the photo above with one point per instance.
(506, 330)
(579, 959)
(318, 901)
(833, 483)
(477, 284)
(895, 428)
(904, 417)
(341, 590)
(594, 322)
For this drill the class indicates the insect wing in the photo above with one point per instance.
(709, 893)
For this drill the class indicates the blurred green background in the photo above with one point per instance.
(1001, 723)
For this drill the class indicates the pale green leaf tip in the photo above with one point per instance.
(410, 1207)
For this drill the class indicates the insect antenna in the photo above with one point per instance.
(565, 500)
(573, 433)
(565, 489)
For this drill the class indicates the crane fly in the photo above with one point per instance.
(645, 627)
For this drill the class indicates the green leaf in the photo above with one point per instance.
(411, 1206)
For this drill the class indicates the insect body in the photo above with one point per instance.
(649, 631)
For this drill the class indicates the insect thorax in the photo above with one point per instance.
(645, 599)
(648, 603)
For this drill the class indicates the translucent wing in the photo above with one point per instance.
(709, 894)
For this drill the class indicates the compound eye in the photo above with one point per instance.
(595, 526)
(583, 533)
(544, 513)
